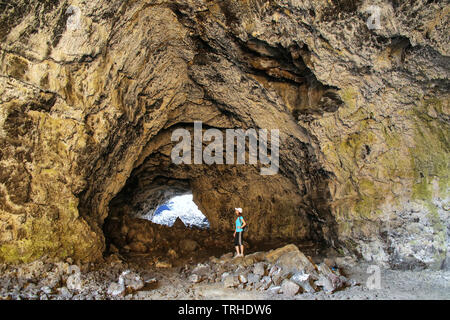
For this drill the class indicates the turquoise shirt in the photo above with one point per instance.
(239, 224)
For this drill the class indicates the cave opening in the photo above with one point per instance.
(180, 207)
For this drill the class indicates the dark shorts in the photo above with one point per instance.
(238, 239)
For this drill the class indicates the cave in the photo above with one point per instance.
(340, 145)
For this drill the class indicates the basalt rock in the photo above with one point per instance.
(91, 92)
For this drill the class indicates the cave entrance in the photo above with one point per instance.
(182, 207)
(288, 207)
(142, 223)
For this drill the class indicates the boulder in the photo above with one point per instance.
(131, 280)
(226, 257)
(253, 258)
(231, 281)
(325, 283)
(273, 255)
(214, 260)
(242, 278)
(274, 270)
(46, 290)
(289, 287)
(195, 278)
(74, 282)
(202, 269)
(259, 269)
(277, 279)
(329, 280)
(116, 289)
(65, 293)
(274, 289)
(253, 278)
(295, 261)
(266, 281)
(305, 281)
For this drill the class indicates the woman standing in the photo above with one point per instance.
(239, 230)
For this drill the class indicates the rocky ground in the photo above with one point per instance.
(283, 273)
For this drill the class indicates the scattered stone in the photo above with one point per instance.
(258, 285)
(277, 279)
(289, 287)
(325, 283)
(150, 280)
(253, 278)
(64, 293)
(214, 260)
(273, 255)
(46, 290)
(116, 289)
(295, 261)
(131, 280)
(194, 278)
(305, 281)
(242, 278)
(259, 269)
(74, 282)
(202, 269)
(274, 289)
(335, 282)
(226, 257)
(274, 270)
(266, 282)
(231, 281)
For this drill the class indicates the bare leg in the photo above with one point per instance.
(242, 250)
(237, 249)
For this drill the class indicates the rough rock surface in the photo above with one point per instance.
(90, 96)
(136, 279)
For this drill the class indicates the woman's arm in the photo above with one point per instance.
(243, 223)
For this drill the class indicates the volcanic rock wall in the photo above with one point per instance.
(91, 91)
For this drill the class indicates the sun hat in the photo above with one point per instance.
(238, 209)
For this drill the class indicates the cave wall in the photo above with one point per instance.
(89, 98)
